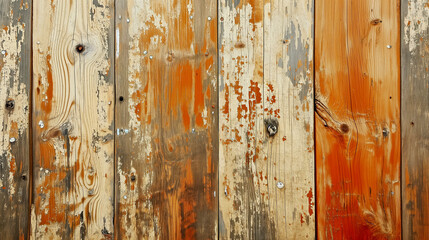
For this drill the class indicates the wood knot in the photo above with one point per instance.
(272, 126)
(170, 57)
(344, 128)
(376, 21)
(80, 48)
(240, 45)
(10, 104)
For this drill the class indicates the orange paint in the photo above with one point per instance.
(357, 124)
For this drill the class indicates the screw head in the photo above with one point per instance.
(280, 185)
(41, 124)
(191, 17)
(151, 57)
(125, 197)
(10, 104)
(12, 140)
(389, 46)
(3, 52)
(144, 52)
(193, 130)
(128, 20)
(209, 18)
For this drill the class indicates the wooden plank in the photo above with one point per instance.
(266, 182)
(166, 147)
(415, 118)
(73, 115)
(15, 40)
(357, 63)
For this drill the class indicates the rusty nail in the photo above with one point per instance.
(10, 104)
(280, 185)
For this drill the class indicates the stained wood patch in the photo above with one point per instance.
(166, 143)
(415, 118)
(358, 119)
(266, 120)
(73, 119)
(15, 40)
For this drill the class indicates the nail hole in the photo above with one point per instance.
(133, 178)
(121, 98)
(23, 177)
(412, 124)
(80, 48)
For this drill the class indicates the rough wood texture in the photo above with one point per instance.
(266, 182)
(73, 119)
(415, 119)
(358, 119)
(166, 143)
(15, 45)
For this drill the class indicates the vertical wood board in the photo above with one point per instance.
(415, 118)
(357, 106)
(166, 108)
(15, 45)
(266, 85)
(73, 96)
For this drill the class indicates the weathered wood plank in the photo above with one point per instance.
(166, 148)
(73, 113)
(266, 182)
(357, 63)
(15, 45)
(415, 118)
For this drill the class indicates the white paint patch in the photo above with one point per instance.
(416, 22)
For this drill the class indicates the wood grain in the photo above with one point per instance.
(166, 143)
(73, 112)
(266, 182)
(15, 45)
(357, 63)
(415, 118)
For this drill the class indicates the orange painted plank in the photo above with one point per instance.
(166, 119)
(415, 118)
(357, 64)
(73, 120)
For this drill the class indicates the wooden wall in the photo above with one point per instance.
(204, 119)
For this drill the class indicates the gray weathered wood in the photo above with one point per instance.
(415, 118)
(15, 45)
